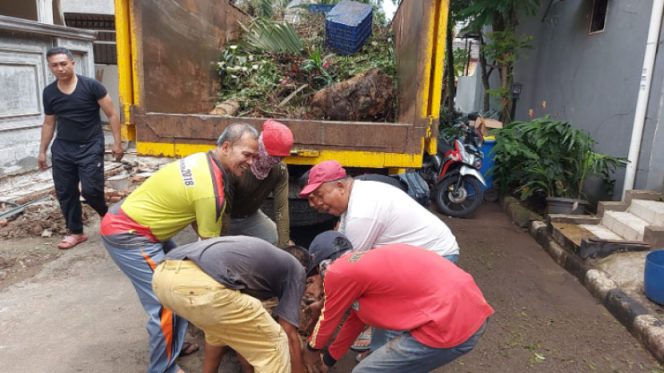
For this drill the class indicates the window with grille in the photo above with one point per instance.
(104, 47)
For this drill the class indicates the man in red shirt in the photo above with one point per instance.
(436, 307)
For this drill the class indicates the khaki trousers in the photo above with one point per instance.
(228, 317)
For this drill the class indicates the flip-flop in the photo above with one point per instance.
(188, 348)
(361, 356)
(72, 240)
(363, 341)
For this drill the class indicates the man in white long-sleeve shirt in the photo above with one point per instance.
(375, 214)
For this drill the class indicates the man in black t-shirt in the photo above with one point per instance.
(71, 104)
(269, 175)
(217, 283)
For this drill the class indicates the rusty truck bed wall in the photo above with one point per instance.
(180, 42)
(411, 27)
(310, 135)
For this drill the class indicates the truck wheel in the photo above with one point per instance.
(301, 215)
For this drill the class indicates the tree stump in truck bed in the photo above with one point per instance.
(365, 97)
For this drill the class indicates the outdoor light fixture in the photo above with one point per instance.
(516, 90)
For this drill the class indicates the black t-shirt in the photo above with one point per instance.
(252, 266)
(247, 193)
(77, 114)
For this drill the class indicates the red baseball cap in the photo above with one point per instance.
(277, 138)
(322, 173)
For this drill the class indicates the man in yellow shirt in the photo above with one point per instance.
(137, 232)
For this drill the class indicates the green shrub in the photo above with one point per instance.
(548, 158)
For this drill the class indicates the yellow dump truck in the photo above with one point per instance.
(167, 52)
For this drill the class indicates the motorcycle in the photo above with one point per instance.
(454, 172)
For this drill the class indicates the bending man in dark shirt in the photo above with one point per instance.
(217, 285)
(71, 104)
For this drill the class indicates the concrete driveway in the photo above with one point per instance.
(78, 313)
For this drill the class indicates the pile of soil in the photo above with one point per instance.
(42, 219)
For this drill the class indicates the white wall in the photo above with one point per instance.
(24, 74)
(469, 93)
(108, 76)
(87, 6)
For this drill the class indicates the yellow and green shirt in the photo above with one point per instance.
(183, 192)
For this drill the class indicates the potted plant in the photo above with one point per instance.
(546, 158)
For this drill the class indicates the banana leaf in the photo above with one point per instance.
(271, 36)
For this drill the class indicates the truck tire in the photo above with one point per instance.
(301, 215)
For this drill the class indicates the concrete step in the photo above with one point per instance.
(650, 211)
(601, 232)
(585, 236)
(634, 224)
(625, 224)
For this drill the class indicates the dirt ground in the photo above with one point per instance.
(545, 320)
(80, 313)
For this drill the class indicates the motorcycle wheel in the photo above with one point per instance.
(461, 202)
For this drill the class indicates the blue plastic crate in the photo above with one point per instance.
(348, 26)
(320, 8)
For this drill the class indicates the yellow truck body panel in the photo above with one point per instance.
(166, 57)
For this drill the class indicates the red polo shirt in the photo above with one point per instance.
(399, 287)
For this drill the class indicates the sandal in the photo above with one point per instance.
(361, 356)
(188, 348)
(362, 341)
(72, 240)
